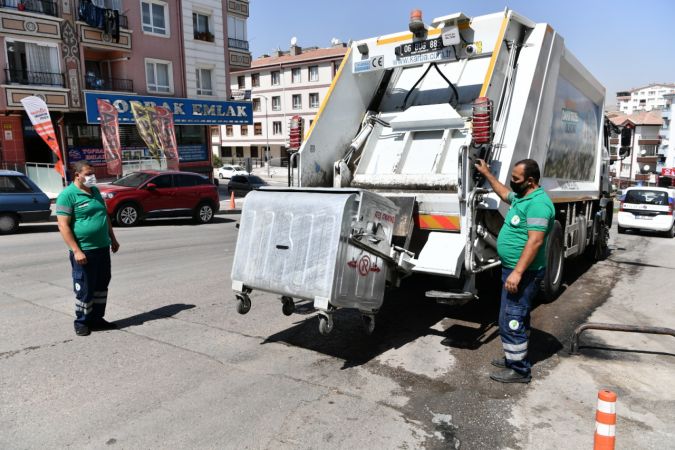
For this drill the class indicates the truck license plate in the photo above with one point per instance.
(419, 47)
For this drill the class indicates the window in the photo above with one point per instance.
(311, 122)
(162, 181)
(158, 76)
(313, 73)
(244, 130)
(255, 79)
(239, 153)
(154, 17)
(200, 27)
(36, 64)
(297, 101)
(256, 104)
(296, 75)
(314, 100)
(13, 184)
(276, 78)
(257, 129)
(184, 180)
(226, 152)
(236, 28)
(229, 130)
(276, 103)
(276, 127)
(241, 82)
(254, 151)
(204, 86)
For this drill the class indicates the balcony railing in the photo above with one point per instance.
(19, 76)
(49, 7)
(237, 43)
(109, 84)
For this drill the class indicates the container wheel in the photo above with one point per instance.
(368, 323)
(243, 304)
(325, 324)
(288, 305)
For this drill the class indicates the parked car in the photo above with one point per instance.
(153, 193)
(227, 171)
(21, 200)
(647, 208)
(243, 184)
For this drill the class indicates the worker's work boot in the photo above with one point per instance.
(510, 376)
(499, 362)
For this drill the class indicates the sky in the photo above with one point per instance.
(625, 44)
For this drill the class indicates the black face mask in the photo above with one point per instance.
(519, 188)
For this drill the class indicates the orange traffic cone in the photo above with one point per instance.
(605, 421)
(233, 205)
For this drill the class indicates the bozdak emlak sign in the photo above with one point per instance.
(185, 111)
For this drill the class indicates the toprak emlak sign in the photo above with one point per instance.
(668, 171)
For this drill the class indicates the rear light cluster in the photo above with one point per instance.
(670, 208)
(621, 206)
(482, 121)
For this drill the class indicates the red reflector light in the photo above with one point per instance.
(482, 120)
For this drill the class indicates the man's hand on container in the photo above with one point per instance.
(482, 167)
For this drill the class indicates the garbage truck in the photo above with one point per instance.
(384, 185)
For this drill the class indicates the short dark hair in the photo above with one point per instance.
(531, 169)
(80, 166)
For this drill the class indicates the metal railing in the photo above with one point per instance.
(48, 7)
(109, 84)
(20, 76)
(237, 43)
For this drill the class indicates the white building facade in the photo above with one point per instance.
(667, 136)
(644, 98)
(642, 166)
(281, 86)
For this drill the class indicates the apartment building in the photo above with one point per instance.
(667, 149)
(72, 52)
(641, 167)
(281, 86)
(644, 98)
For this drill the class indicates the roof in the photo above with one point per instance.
(639, 118)
(305, 56)
(10, 172)
(650, 85)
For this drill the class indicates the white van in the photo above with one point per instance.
(647, 208)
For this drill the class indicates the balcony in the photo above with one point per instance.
(108, 84)
(19, 76)
(656, 141)
(48, 7)
(237, 43)
(652, 159)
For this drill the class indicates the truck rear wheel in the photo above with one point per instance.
(555, 259)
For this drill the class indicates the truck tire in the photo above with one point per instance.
(598, 249)
(555, 261)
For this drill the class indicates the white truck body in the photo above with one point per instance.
(397, 121)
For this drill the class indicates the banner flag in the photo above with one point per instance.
(145, 117)
(110, 134)
(164, 128)
(38, 113)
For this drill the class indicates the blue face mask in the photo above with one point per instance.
(89, 180)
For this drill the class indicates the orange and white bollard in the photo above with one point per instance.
(233, 205)
(605, 421)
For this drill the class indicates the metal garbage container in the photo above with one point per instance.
(328, 246)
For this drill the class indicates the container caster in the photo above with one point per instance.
(288, 305)
(243, 303)
(368, 323)
(325, 324)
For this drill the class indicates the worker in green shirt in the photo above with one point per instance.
(86, 229)
(521, 247)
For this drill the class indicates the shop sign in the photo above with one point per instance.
(185, 111)
(668, 171)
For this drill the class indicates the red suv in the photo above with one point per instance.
(153, 193)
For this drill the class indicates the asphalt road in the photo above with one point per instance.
(185, 370)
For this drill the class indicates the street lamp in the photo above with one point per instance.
(267, 137)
